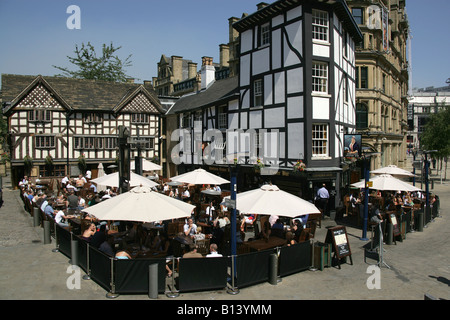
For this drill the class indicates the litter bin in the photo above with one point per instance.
(322, 255)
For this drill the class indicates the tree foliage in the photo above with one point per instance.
(107, 67)
(436, 135)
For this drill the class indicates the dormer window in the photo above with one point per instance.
(139, 118)
(39, 116)
(92, 118)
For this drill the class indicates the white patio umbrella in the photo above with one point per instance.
(112, 180)
(386, 182)
(140, 204)
(101, 173)
(394, 171)
(146, 165)
(199, 176)
(270, 200)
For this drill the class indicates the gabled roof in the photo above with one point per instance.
(219, 91)
(265, 14)
(75, 94)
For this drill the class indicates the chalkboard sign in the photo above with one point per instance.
(396, 229)
(338, 237)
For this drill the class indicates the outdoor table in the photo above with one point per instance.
(262, 244)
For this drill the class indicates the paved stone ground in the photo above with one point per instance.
(420, 265)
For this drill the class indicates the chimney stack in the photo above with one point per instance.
(208, 72)
(192, 70)
(224, 55)
(261, 5)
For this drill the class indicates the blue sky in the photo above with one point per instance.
(34, 35)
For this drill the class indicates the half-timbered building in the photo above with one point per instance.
(296, 95)
(54, 121)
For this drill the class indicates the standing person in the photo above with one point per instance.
(323, 197)
(72, 200)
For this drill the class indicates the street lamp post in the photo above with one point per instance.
(427, 189)
(366, 198)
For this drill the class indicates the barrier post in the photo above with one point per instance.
(153, 281)
(312, 267)
(112, 294)
(87, 276)
(47, 238)
(56, 239)
(232, 290)
(172, 293)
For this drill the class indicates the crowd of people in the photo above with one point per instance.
(210, 224)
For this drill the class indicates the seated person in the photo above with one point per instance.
(192, 253)
(107, 246)
(190, 228)
(48, 210)
(199, 235)
(277, 229)
(60, 218)
(213, 251)
(290, 239)
(122, 255)
(89, 232)
(99, 237)
(250, 219)
(297, 229)
(266, 231)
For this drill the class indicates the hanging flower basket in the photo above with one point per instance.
(49, 161)
(258, 165)
(28, 163)
(299, 166)
(82, 163)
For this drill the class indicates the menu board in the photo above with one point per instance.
(338, 237)
(396, 229)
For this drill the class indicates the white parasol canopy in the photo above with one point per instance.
(140, 204)
(199, 176)
(112, 180)
(386, 182)
(270, 200)
(394, 171)
(146, 165)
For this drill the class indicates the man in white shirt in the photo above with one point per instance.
(186, 194)
(213, 250)
(209, 211)
(59, 219)
(190, 229)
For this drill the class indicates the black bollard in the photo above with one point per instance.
(47, 238)
(273, 269)
(153, 281)
(419, 220)
(36, 216)
(74, 252)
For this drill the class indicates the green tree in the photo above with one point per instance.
(436, 134)
(107, 67)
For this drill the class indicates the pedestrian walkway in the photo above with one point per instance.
(419, 265)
